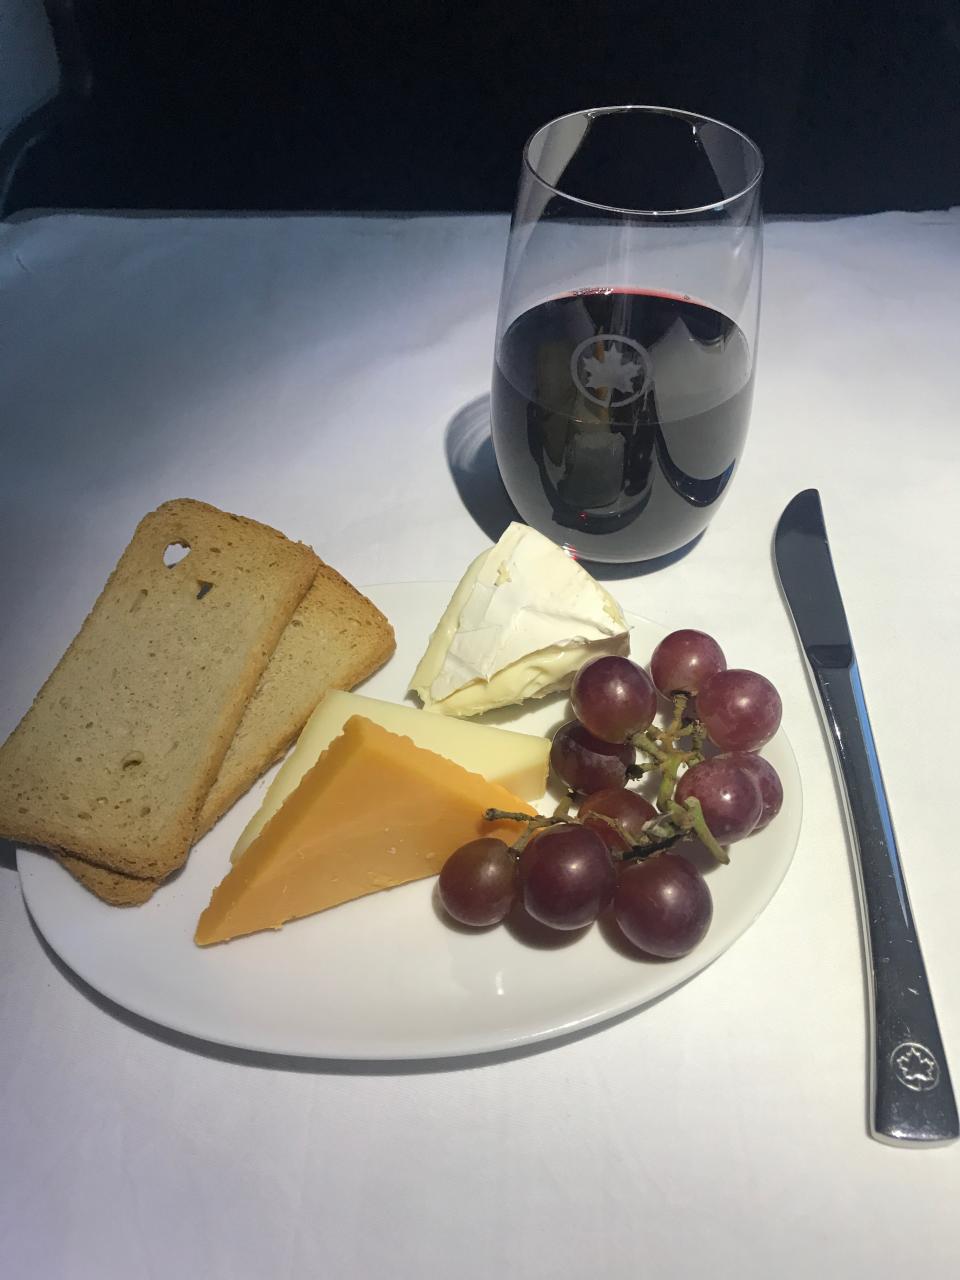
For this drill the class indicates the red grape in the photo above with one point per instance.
(663, 905)
(478, 882)
(614, 698)
(629, 808)
(767, 779)
(586, 763)
(729, 797)
(683, 660)
(567, 876)
(740, 710)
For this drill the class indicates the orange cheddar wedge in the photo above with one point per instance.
(374, 812)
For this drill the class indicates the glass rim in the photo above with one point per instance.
(592, 112)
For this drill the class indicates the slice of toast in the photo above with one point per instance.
(115, 757)
(110, 886)
(335, 639)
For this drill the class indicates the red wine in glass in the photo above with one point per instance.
(620, 411)
(611, 406)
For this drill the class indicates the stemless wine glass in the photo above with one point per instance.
(627, 332)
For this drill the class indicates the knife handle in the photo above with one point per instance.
(912, 1096)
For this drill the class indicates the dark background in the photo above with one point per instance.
(425, 104)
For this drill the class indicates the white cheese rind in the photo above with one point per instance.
(523, 619)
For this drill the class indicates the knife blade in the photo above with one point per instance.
(911, 1095)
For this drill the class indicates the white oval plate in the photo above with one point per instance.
(385, 977)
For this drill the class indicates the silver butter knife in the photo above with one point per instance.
(912, 1100)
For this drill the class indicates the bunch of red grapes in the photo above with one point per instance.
(617, 853)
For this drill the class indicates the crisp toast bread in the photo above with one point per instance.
(115, 757)
(335, 639)
(110, 886)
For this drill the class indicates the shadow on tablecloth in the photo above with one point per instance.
(473, 466)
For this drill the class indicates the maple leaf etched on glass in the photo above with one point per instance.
(615, 373)
(610, 370)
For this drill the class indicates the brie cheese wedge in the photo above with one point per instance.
(523, 620)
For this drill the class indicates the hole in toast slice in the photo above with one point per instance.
(174, 552)
(204, 588)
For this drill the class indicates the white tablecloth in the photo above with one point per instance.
(319, 374)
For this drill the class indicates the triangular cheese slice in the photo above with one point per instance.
(518, 761)
(523, 620)
(374, 812)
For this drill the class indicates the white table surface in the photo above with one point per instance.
(317, 374)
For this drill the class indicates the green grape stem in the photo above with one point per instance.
(663, 746)
(659, 833)
(565, 805)
(664, 754)
(644, 742)
(617, 826)
(668, 781)
(531, 823)
(676, 724)
(508, 815)
(698, 824)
